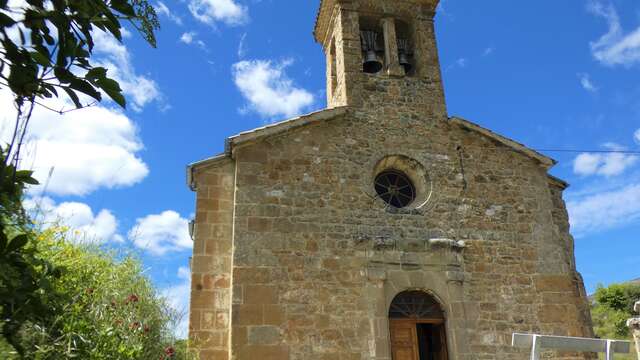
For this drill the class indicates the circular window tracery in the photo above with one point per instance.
(395, 188)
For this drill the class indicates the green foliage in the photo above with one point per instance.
(25, 275)
(55, 43)
(99, 307)
(610, 310)
(58, 300)
(619, 297)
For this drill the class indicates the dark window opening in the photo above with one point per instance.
(371, 40)
(395, 188)
(405, 47)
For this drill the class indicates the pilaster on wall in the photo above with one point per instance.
(345, 37)
(211, 264)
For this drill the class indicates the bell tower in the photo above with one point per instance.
(381, 52)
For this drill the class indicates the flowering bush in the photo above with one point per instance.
(101, 306)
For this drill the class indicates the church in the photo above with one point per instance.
(379, 228)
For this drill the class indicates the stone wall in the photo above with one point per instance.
(309, 233)
(210, 311)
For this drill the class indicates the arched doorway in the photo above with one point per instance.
(417, 327)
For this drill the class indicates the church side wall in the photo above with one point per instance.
(318, 257)
(211, 263)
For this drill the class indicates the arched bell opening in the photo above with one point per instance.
(417, 327)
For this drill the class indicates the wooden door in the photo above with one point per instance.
(404, 340)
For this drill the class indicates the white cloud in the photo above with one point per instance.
(114, 56)
(459, 63)
(636, 136)
(213, 11)
(178, 298)
(587, 84)
(190, 38)
(610, 164)
(84, 225)
(187, 37)
(602, 211)
(162, 233)
(488, 51)
(88, 149)
(242, 46)
(615, 47)
(162, 9)
(268, 89)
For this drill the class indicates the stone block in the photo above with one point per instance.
(260, 294)
(214, 355)
(260, 225)
(243, 315)
(264, 335)
(264, 352)
(273, 315)
(555, 283)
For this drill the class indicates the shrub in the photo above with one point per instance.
(101, 306)
(611, 308)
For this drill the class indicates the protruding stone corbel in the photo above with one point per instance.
(458, 245)
(634, 325)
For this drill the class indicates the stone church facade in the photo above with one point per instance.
(379, 228)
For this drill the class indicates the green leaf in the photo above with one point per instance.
(63, 74)
(123, 7)
(6, 20)
(96, 73)
(74, 97)
(85, 87)
(17, 243)
(26, 177)
(51, 88)
(39, 58)
(3, 242)
(112, 88)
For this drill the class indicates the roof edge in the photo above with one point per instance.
(558, 182)
(205, 162)
(546, 161)
(261, 132)
(280, 127)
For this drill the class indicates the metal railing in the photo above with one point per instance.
(539, 343)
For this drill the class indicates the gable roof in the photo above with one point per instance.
(280, 127)
(333, 113)
(545, 161)
(262, 132)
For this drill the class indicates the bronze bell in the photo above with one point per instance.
(403, 55)
(371, 63)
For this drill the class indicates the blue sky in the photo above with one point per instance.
(550, 74)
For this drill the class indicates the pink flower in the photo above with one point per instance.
(170, 351)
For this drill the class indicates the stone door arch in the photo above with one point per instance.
(417, 327)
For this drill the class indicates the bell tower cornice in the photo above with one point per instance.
(382, 53)
(327, 7)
